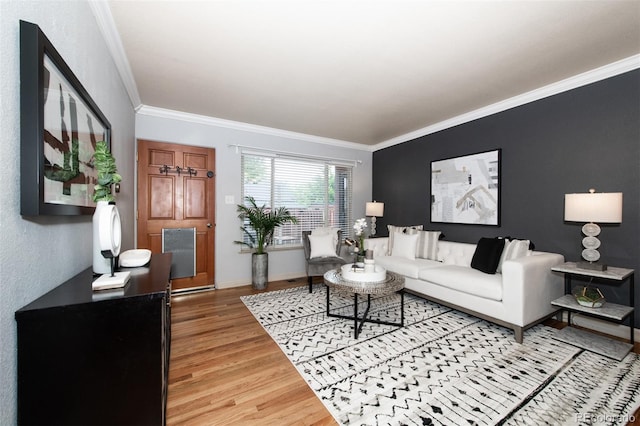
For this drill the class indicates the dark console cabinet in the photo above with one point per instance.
(97, 358)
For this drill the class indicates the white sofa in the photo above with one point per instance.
(517, 298)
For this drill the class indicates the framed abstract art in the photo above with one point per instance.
(60, 126)
(466, 189)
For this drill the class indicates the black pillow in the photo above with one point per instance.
(487, 255)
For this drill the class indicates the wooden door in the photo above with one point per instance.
(176, 189)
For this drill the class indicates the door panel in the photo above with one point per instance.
(195, 206)
(174, 191)
(159, 158)
(161, 193)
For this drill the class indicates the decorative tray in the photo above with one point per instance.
(358, 274)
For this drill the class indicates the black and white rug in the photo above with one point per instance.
(443, 367)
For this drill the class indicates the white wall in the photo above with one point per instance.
(232, 267)
(38, 254)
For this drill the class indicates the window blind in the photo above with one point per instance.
(318, 193)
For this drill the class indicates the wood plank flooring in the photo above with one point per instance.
(226, 370)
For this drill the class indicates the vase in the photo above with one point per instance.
(101, 265)
(259, 270)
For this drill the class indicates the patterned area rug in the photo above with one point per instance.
(443, 367)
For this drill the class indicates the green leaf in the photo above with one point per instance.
(105, 164)
(263, 221)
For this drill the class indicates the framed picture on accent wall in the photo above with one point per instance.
(60, 126)
(466, 189)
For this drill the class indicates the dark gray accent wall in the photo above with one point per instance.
(585, 138)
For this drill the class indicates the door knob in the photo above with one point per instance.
(209, 225)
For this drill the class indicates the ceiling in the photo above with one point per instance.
(362, 72)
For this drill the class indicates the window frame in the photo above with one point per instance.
(342, 175)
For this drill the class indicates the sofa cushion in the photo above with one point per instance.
(404, 229)
(454, 253)
(404, 245)
(513, 249)
(428, 244)
(403, 266)
(487, 255)
(465, 279)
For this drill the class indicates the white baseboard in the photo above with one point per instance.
(282, 277)
(606, 327)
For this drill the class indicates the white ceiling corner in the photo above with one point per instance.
(355, 74)
(107, 26)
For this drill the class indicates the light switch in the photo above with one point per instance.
(228, 199)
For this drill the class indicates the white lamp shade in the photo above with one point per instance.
(603, 207)
(375, 209)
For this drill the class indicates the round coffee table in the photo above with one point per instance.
(391, 284)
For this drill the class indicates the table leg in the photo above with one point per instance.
(327, 299)
(567, 290)
(355, 315)
(358, 323)
(402, 308)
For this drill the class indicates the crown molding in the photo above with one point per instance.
(619, 67)
(246, 127)
(107, 26)
(616, 68)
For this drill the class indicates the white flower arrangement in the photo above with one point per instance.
(360, 226)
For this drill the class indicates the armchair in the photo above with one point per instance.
(317, 266)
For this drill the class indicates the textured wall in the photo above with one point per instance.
(38, 254)
(584, 138)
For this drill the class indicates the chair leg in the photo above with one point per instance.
(310, 279)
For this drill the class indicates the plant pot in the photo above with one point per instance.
(259, 270)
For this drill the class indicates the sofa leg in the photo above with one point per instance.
(518, 332)
(310, 279)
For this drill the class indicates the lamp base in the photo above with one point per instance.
(592, 266)
(108, 281)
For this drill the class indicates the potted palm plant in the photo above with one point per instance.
(262, 223)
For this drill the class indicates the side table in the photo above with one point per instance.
(608, 312)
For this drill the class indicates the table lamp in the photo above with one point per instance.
(592, 207)
(374, 209)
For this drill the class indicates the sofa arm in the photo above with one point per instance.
(379, 245)
(529, 286)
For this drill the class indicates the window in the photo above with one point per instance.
(316, 192)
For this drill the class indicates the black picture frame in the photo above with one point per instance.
(466, 189)
(59, 127)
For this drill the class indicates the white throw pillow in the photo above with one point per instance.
(513, 249)
(404, 229)
(404, 245)
(327, 230)
(322, 245)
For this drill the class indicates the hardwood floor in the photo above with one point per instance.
(226, 370)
